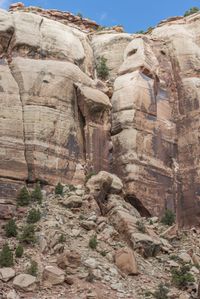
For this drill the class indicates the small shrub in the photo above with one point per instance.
(19, 251)
(11, 229)
(140, 32)
(62, 238)
(168, 218)
(79, 15)
(59, 189)
(23, 198)
(191, 11)
(93, 242)
(181, 277)
(150, 29)
(141, 227)
(151, 222)
(33, 216)
(33, 268)
(36, 195)
(103, 253)
(161, 292)
(102, 69)
(28, 234)
(174, 257)
(6, 256)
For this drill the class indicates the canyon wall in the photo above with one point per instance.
(59, 122)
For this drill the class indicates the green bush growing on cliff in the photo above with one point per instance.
(33, 268)
(23, 198)
(36, 195)
(59, 189)
(140, 32)
(6, 257)
(191, 11)
(141, 227)
(33, 216)
(168, 218)
(181, 277)
(11, 229)
(79, 15)
(102, 69)
(161, 292)
(93, 242)
(19, 251)
(28, 234)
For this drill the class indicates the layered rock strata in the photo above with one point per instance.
(55, 117)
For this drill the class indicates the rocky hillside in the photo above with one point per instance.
(89, 243)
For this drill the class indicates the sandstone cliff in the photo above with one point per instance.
(57, 122)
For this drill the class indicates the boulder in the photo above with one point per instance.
(101, 185)
(125, 260)
(91, 263)
(147, 245)
(196, 259)
(88, 225)
(25, 282)
(185, 257)
(97, 183)
(69, 259)
(72, 202)
(53, 275)
(6, 274)
(12, 295)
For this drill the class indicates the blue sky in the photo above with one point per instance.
(133, 14)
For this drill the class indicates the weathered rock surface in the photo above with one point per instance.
(126, 262)
(6, 274)
(155, 139)
(53, 275)
(56, 121)
(25, 282)
(40, 57)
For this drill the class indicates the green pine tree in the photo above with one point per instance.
(33, 216)
(102, 69)
(19, 251)
(23, 198)
(28, 234)
(59, 189)
(6, 256)
(33, 268)
(36, 195)
(191, 11)
(11, 228)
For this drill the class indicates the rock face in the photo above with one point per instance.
(48, 135)
(55, 117)
(155, 130)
